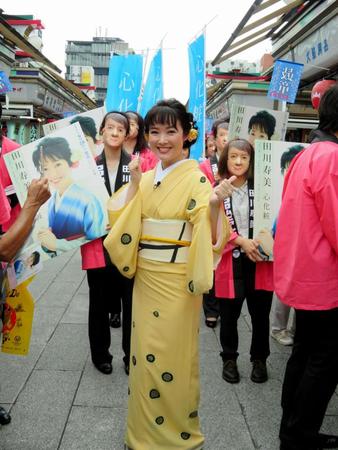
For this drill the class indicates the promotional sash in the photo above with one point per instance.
(236, 252)
(122, 177)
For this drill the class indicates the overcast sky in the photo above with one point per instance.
(143, 24)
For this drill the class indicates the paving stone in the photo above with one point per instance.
(41, 411)
(77, 310)
(67, 349)
(94, 428)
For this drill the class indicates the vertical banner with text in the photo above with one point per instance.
(153, 89)
(124, 82)
(285, 81)
(197, 95)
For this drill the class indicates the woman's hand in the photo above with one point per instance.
(250, 247)
(47, 239)
(223, 190)
(135, 171)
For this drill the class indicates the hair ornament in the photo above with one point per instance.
(193, 134)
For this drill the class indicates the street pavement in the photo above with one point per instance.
(58, 400)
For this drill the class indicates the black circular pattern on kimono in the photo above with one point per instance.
(125, 269)
(125, 238)
(159, 420)
(193, 414)
(150, 358)
(128, 391)
(154, 394)
(185, 436)
(203, 179)
(133, 360)
(191, 286)
(133, 324)
(192, 204)
(156, 314)
(167, 377)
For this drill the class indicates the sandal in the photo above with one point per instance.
(211, 323)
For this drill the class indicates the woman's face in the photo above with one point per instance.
(256, 132)
(238, 162)
(221, 139)
(57, 172)
(167, 143)
(211, 147)
(113, 134)
(133, 129)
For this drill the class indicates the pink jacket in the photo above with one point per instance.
(7, 146)
(306, 243)
(224, 276)
(148, 160)
(205, 167)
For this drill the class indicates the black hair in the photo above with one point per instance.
(52, 148)
(328, 110)
(140, 140)
(265, 121)
(36, 258)
(169, 112)
(288, 156)
(118, 116)
(219, 123)
(87, 124)
(240, 144)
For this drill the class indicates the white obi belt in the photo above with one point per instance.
(165, 240)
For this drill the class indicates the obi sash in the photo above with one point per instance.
(165, 240)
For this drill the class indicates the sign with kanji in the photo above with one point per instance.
(285, 81)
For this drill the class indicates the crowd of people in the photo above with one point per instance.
(181, 237)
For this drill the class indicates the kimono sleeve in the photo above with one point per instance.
(202, 253)
(94, 225)
(123, 239)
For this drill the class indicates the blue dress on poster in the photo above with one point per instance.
(79, 214)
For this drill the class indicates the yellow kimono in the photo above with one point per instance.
(164, 368)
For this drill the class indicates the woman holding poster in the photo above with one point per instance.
(242, 274)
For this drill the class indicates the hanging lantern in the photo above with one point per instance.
(318, 91)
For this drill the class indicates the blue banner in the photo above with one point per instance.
(285, 81)
(124, 82)
(5, 85)
(153, 90)
(197, 95)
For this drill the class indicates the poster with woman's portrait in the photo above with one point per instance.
(76, 211)
(254, 123)
(90, 122)
(272, 161)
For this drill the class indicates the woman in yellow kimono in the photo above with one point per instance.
(167, 231)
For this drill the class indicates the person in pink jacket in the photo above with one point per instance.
(242, 274)
(136, 144)
(7, 146)
(210, 169)
(306, 278)
(220, 130)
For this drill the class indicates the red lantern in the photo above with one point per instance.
(318, 91)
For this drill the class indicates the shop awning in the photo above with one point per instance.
(263, 19)
(12, 35)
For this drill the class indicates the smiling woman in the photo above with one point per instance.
(162, 233)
